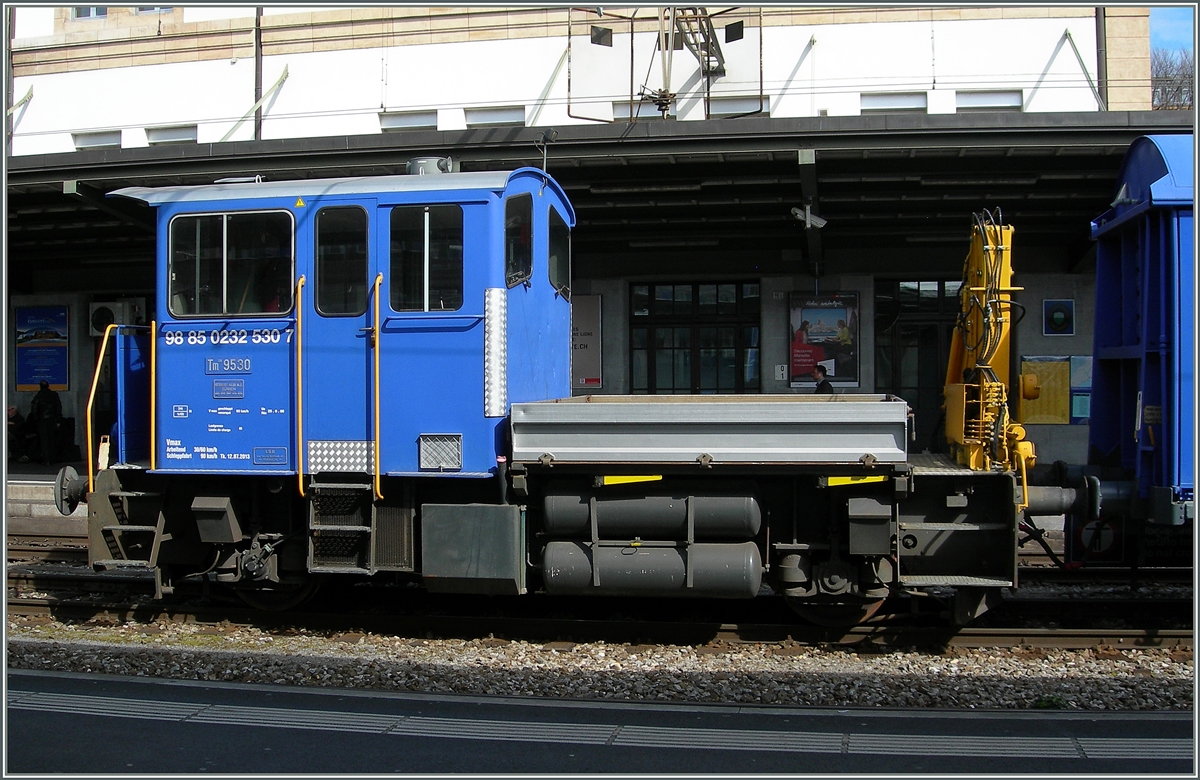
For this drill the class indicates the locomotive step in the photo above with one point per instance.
(138, 528)
(133, 494)
(355, 528)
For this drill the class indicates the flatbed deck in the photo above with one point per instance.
(722, 429)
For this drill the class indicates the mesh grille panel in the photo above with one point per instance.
(393, 538)
(339, 506)
(339, 548)
(440, 451)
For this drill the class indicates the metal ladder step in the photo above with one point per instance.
(136, 528)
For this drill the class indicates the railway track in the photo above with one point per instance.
(72, 593)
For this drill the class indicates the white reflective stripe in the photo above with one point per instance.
(454, 728)
(143, 709)
(722, 739)
(973, 745)
(1137, 748)
(495, 352)
(297, 719)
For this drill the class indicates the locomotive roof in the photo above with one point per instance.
(357, 185)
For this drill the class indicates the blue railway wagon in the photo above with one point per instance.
(1142, 421)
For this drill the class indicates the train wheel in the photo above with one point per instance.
(280, 600)
(835, 615)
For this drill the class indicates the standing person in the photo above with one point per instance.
(46, 411)
(823, 384)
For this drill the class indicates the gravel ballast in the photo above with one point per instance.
(778, 674)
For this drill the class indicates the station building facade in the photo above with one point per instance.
(758, 189)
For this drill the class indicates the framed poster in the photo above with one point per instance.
(42, 347)
(824, 330)
(585, 343)
(1058, 317)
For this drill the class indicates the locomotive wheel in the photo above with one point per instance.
(835, 614)
(280, 600)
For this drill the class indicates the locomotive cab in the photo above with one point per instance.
(328, 355)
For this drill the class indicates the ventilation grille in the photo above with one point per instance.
(440, 451)
(393, 538)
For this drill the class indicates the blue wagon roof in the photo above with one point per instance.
(1157, 173)
(495, 181)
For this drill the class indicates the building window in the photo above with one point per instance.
(1007, 100)
(695, 338)
(89, 12)
(96, 140)
(155, 9)
(180, 134)
(914, 321)
(223, 264)
(893, 103)
(427, 244)
(510, 116)
(390, 121)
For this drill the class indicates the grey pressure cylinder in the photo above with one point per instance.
(732, 513)
(732, 571)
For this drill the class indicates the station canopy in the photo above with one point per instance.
(716, 197)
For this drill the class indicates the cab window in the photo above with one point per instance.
(559, 266)
(427, 258)
(518, 239)
(342, 260)
(230, 264)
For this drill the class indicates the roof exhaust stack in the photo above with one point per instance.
(422, 166)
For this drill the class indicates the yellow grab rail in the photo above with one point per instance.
(299, 390)
(375, 347)
(153, 395)
(92, 397)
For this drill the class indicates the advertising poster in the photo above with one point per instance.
(824, 330)
(585, 343)
(42, 347)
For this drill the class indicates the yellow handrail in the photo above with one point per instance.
(153, 395)
(299, 390)
(92, 398)
(375, 338)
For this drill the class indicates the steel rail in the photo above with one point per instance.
(710, 635)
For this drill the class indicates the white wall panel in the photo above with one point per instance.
(137, 97)
(35, 22)
(807, 70)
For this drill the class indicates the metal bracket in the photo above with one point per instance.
(691, 537)
(705, 461)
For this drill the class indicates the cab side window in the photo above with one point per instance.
(229, 264)
(518, 239)
(559, 266)
(427, 258)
